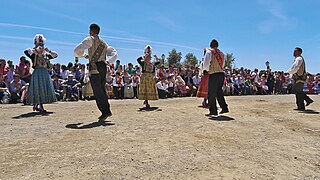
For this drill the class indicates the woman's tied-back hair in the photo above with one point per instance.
(39, 40)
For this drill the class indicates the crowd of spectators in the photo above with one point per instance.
(72, 82)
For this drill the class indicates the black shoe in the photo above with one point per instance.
(299, 109)
(309, 102)
(104, 116)
(212, 114)
(224, 111)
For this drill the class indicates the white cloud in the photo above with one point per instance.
(277, 19)
(131, 40)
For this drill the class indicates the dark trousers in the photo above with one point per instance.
(301, 96)
(171, 92)
(118, 92)
(98, 82)
(135, 92)
(215, 92)
(162, 94)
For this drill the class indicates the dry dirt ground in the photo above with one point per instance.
(261, 138)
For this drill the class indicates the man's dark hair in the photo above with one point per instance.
(299, 49)
(214, 44)
(22, 57)
(95, 28)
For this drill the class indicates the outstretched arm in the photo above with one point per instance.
(80, 48)
(112, 53)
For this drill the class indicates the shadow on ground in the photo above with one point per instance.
(309, 111)
(149, 109)
(89, 126)
(222, 118)
(32, 114)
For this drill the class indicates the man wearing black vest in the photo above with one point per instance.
(214, 64)
(298, 70)
(98, 50)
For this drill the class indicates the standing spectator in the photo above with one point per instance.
(109, 86)
(3, 68)
(130, 69)
(26, 74)
(171, 84)
(270, 81)
(135, 84)
(128, 90)
(64, 72)
(117, 86)
(20, 67)
(10, 73)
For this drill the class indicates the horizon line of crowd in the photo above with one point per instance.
(71, 82)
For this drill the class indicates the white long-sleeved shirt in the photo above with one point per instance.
(296, 65)
(196, 80)
(87, 43)
(115, 84)
(161, 86)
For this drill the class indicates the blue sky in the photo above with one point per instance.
(253, 30)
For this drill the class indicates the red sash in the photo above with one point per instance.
(216, 53)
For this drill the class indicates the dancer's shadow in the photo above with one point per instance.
(32, 114)
(89, 126)
(309, 111)
(222, 118)
(144, 109)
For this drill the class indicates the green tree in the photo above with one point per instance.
(229, 60)
(174, 58)
(191, 60)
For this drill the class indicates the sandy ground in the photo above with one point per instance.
(261, 138)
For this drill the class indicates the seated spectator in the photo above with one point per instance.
(180, 86)
(58, 90)
(196, 80)
(162, 87)
(262, 84)
(4, 91)
(16, 88)
(71, 88)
